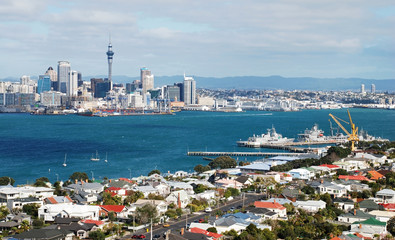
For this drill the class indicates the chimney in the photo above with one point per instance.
(82, 182)
(355, 212)
(87, 180)
(322, 181)
(360, 225)
(274, 201)
(182, 231)
(76, 181)
(216, 216)
(179, 201)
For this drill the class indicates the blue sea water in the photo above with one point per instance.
(32, 146)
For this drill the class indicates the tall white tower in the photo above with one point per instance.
(110, 55)
(189, 90)
(363, 88)
(373, 88)
(72, 84)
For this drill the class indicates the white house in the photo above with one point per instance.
(310, 205)
(49, 212)
(206, 195)
(333, 189)
(9, 192)
(369, 228)
(386, 196)
(86, 187)
(301, 173)
(382, 216)
(161, 205)
(179, 198)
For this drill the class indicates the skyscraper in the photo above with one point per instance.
(189, 90)
(63, 76)
(147, 79)
(53, 75)
(373, 88)
(362, 88)
(43, 84)
(72, 84)
(110, 55)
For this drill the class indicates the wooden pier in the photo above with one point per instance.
(245, 154)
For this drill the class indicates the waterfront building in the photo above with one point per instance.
(101, 89)
(72, 84)
(51, 98)
(363, 88)
(181, 86)
(373, 88)
(110, 55)
(189, 90)
(44, 83)
(63, 76)
(80, 81)
(147, 79)
(53, 75)
(172, 93)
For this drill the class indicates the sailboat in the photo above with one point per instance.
(64, 163)
(105, 160)
(95, 159)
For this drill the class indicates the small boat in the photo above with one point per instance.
(64, 163)
(105, 160)
(95, 158)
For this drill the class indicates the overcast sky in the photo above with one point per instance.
(291, 38)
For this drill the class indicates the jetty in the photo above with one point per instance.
(290, 146)
(246, 154)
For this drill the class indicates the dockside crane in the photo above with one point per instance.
(353, 136)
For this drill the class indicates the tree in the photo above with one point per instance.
(31, 209)
(41, 182)
(79, 176)
(132, 197)
(231, 192)
(199, 188)
(223, 162)
(4, 212)
(155, 196)
(391, 226)
(146, 213)
(200, 168)
(109, 200)
(38, 223)
(155, 171)
(6, 180)
(97, 235)
(112, 216)
(308, 189)
(212, 229)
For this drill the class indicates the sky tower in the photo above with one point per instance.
(110, 53)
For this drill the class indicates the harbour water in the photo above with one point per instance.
(32, 146)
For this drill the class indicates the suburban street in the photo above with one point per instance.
(176, 225)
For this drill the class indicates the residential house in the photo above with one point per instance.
(50, 211)
(181, 186)
(301, 173)
(162, 188)
(291, 194)
(85, 187)
(14, 221)
(227, 223)
(120, 210)
(181, 174)
(228, 183)
(310, 205)
(85, 197)
(161, 205)
(211, 235)
(354, 178)
(179, 198)
(208, 195)
(333, 189)
(58, 199)
(344, 204)
(20, 202)
(368, 205)
(355, 163)
(264, 213)
(369, 227)
(383, 216)
(255, 167)
(117, 191)
(388, 206)
(375, 175)
(146, 190)
(272, 206)
(248, 217)
(9, 192)
(386, 196)
(45, 234)
(354, 216)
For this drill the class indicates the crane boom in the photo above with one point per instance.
(338, 123)
(353, 136)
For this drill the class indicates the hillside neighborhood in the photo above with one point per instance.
(342, 195)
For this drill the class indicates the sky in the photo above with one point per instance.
(211, 38)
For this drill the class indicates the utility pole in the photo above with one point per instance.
(151, 229)
(243, 198)
(134, 223)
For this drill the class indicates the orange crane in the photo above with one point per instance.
(353, 135)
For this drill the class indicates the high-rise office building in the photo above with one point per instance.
(189, 90)
(181, 86)
(147, 79)
(43, 84)
(63, 76)
(373, 88)
(110, 55)
(72, 84)
(173, 93)
(53, 75)
(362, 88)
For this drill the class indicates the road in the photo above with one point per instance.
(184, 220)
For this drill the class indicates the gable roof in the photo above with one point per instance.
(369, 204)
(329, 166)
(372, 221)
(355, 178)
(207, 233)
(90, 221)
(357, 214)
(375, 175)
(112, 208)
(41, 234)
(270, 205)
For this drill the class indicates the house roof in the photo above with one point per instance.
(386, 192)
(356, 214)
(329, 166)
(242, 179)
(343, 200)
(113, 208)
(60, 220)
(371, 221)
(369, 204)
(96, 222)
(41, 234)
(207, 233)
(388, 206)
(375, 175)
(270, 205)
(355, 178)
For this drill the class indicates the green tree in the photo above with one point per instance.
(199, 188)
(41, 182)
(231, 192)
(171, 213)
(146, 213)
(179, 212)
(38, 223)
(391, 226)
(31, 209)
(223, 162)
(212, 229)
(155, 196)
(133, 196)
(112, 216)
(6, 180)
(111, 200)
(78, 176)
(4, 212)
(97, 235)
(308, 189)
(200, 168)
(153, 172)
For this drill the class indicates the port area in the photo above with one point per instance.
(289, 146)
(246, 154)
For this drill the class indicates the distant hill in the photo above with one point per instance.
(268, 83)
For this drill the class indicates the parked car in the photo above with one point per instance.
(166, 225)
(201, 220)
(208, 209)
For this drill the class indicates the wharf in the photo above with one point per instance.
(290, 146)
(245, 154)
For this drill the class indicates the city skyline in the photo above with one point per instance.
(255, 38)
